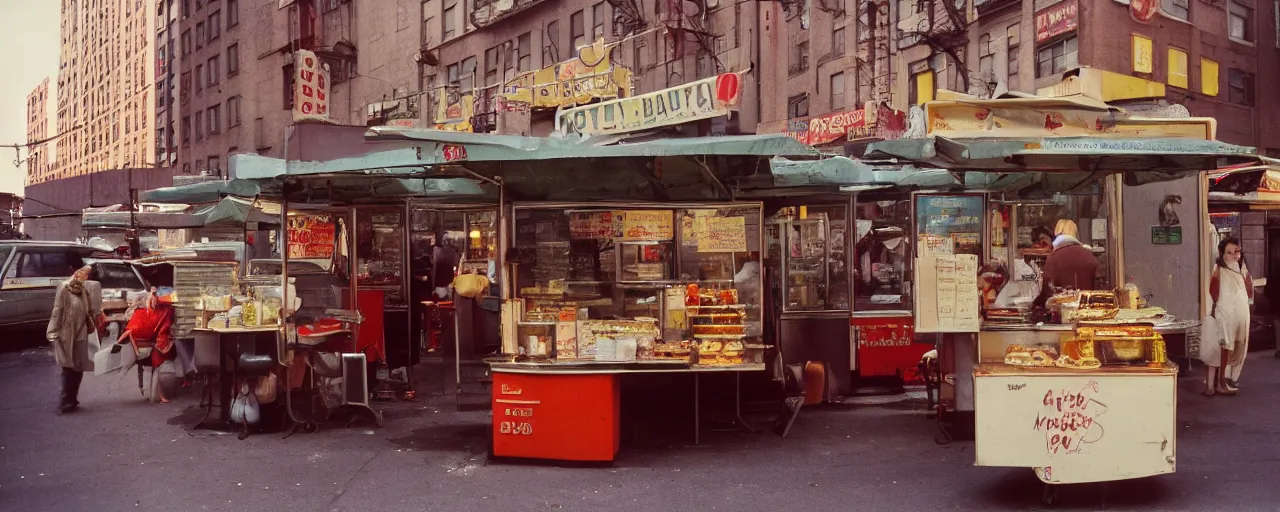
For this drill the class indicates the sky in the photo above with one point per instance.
(29, 36)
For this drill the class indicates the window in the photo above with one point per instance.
(491, 65)
(1056, 57)
(1014, 37)
(1143, 55)
(215, 168)
(199, 78)
(523, 48)
(467, 75)
(214, 70)
(215, 25)
(199, 124)
(1240, 87)
(1208, 77)
(551, 46)
(450, 22)
(837, 91)
(233, 59)
(452, 73)
(837, 41)
(798, 106)
(186, 130)
(233, 111)
(922, 84)
(233, 13)
(1178, 68)
(214, 117)
(200, 35)
(44, 264)
(986, 59)
(597, 21)
(577, 32)
(1240, 22)
(1180, 9)
(799, 58)
(186, 42)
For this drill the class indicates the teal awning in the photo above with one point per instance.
(340, 189)
(229, 211)
(1066, 154)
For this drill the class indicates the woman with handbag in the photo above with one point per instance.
(76, 307)
(1231, 289)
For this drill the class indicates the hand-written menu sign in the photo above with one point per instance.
(647, 225)
(310, 237)
(723, 234)
(594, 225)
(947, 293)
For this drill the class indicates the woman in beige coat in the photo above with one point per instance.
(76, 308)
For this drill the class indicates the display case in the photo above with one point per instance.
(637, 283)
(808, 249)
(882, 252)
(380, 253)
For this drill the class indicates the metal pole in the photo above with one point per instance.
(406, 291)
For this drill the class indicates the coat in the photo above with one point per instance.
(1071, 266)
(73, 319)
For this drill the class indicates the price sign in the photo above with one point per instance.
(647, 225)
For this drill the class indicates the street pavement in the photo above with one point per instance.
(121, 453)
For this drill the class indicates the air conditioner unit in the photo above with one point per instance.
(355, 380)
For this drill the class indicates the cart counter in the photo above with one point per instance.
(1077, 426)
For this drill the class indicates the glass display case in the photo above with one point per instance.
(622, 283)
(883, 256)
(808, 246)
(380, 256)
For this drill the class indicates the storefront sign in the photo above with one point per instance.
(886, 346)
(647, 225)
(310, 237)
(454, 152)
(1143, 11)
(590, 75)
(703, 99)
(971, 120)
(310, 87)
(824, 129)
(723, 234)
(1056, 20)
(594, 225)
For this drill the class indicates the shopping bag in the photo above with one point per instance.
(1210, 342)
(111, 359)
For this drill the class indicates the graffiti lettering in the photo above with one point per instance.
(1068, 421)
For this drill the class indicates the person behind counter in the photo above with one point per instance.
(1231, 288)
(1069, 265)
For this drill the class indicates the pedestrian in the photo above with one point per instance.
(77, 305)
(1231, 289)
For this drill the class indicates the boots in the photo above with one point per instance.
(70, 390)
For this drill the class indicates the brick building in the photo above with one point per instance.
(166, 86)
(38, 169)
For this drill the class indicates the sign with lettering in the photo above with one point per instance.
(1057, 19)
(593, 225)
(454, 111)
(703, 99)
(647, 225)
(310, 237)
(310, 87)
(590, 75)
(723, 234)
(824, 129)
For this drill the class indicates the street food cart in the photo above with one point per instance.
(1080, 390)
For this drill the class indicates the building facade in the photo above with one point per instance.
(106, 76)
(167, 15)
(38, 169)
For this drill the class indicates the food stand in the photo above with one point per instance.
(1039, 380)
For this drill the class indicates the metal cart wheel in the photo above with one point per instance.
(1049, 495)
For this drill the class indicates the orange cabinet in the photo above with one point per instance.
(556, 416)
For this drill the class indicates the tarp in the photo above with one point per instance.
(1247, 183)
(351, 188)
(229, 211)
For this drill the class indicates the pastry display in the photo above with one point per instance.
(1020, 355)
(1098, 305)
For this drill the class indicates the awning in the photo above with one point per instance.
(229, 211)
(341, 189)
(1141, 160)
(1250, 184)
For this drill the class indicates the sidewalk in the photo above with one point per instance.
(121, 453)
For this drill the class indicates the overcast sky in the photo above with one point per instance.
(29, 39)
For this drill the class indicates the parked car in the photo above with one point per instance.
(31, 273)
(122, 286)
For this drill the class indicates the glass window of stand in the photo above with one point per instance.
(808, 243)
(472, 233)
(643, 283)
(1025, 229)
(380, 252)
(882, 251)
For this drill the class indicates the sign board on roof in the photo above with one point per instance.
(310, 87)
(704, 99)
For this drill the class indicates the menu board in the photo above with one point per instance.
(947, 293)
(949, 224)
(594, 225)
(722, 234)
(647, 225)
(311, 237)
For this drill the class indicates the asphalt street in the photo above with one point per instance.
(120, 453)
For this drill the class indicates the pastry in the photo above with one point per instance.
(1017, 355)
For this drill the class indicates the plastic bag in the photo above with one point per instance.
(244, 409)
(265, 391)
(1210, 342)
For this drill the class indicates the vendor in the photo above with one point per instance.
(1070, 265)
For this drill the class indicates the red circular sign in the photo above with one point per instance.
(727, 88)
(1143, 10)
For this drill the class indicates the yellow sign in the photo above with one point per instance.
(1143, 58)
(647, 225)
(1052, 118)
(723, 234)
(590, 75)
(453, 111)
(704, 99)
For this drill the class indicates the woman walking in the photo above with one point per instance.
(76, 307)
(1231, 289)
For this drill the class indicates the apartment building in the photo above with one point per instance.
(38, 169)
(236, 61)
(106, 110)
(1210, 57)
(479, 57)
(166, 85)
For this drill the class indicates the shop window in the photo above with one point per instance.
(1209, 77)
(798, 106)
(1177, 68)
(881, 269)
(807, 249)
(1240, 22)
(1240, 87)
(1056, 58)
(1179, 9)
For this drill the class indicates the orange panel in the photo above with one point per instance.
(556, 416)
